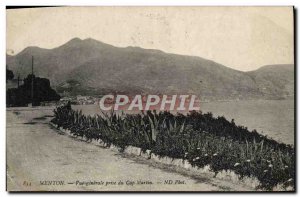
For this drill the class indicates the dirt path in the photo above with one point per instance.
(38, 157)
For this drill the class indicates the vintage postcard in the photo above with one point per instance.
(188, 99)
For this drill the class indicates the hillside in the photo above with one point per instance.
(275, 80)
(95, 68)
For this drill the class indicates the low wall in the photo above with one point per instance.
(231, 176)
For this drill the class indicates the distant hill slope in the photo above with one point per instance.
(97, 68)
(275, 80)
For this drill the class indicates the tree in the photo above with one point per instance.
(42, 91)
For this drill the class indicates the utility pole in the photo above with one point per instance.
(32, 80)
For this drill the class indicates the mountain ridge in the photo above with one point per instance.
(101, 67)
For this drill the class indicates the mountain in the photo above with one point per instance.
(275, 80)
(57, 62)
(93, 67)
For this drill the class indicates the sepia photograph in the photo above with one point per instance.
(150, 99)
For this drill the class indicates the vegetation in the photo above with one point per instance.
(22, 95)
(198, 138)
(9, 74)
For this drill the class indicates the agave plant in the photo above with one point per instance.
(199, 138)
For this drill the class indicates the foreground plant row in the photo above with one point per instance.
(198, 138)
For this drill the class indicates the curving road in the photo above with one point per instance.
(39, 158)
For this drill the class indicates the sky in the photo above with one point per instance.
(242, 38)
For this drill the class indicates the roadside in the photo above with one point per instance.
(39, 156)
